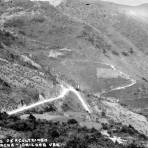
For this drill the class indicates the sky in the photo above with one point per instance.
(128, 2)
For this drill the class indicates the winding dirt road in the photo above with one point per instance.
(64, 91)
(126, 76)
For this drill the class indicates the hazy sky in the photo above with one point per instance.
(128, 2)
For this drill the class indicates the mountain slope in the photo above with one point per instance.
(125, 36)
(92, 47)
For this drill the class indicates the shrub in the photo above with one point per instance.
(38, 19)
(55, 134)
(15, 22)
(135, 145)
(72, 121)
(128, 129)
(31, 117)
(3, 116)
(6, 38)
(115, 53)
(105, 126)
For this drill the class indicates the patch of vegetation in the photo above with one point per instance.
(118, 128)
(42, 109)
(94, 38)
(135, 145)
(26, 4)
(4, 85)
(15, 22)
(131, 51)
(22, 32)
(125, 54)
(144, 79)
(72, 121)
(87, 4)
(115, 53)
(38, 19)
(128, 129)
(6, 37)
(69, 133)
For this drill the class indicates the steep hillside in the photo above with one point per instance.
(124, 31)
(42, 38)
(80, 59)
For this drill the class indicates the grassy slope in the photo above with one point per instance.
(127, 37)
(35, 30)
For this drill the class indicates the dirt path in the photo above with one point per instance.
(64, 91)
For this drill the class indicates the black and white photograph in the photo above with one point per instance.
(73, 73)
